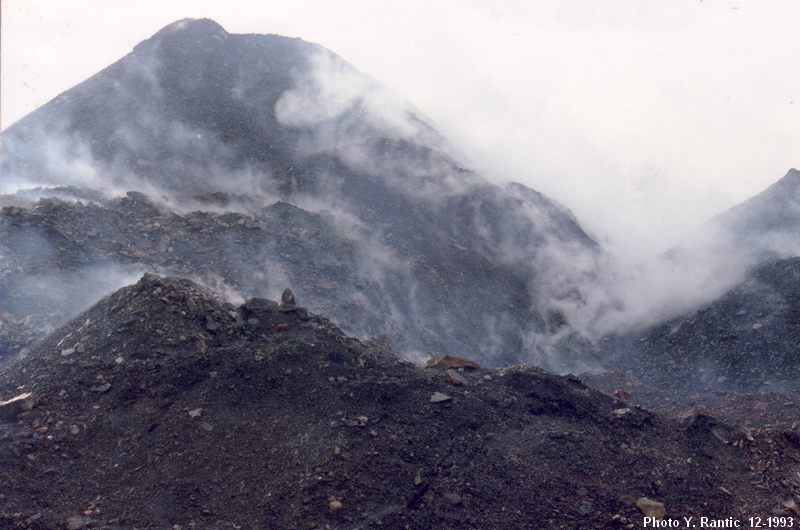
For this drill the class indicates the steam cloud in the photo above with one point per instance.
(580, 292)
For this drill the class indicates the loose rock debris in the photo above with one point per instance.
(332, 431)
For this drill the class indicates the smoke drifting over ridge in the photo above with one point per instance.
(405, 215)
(374, 179)
(691, 107)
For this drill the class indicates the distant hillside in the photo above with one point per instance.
(313, 176)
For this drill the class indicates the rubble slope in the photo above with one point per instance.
(164, 405)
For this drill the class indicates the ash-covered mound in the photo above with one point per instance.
(163, 405)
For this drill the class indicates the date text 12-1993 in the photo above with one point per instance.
(771, 522)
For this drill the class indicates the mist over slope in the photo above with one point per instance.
(623, 297)
(731, 321)
(747, 340)
(311, 176)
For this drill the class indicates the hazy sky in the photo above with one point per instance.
(645, 117)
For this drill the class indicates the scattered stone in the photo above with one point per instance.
(619, 520)
(67, 351)
(452, 498)
(438, 397)
(16, 405)
(651, 508)
(287, 298)
(211, 324)
(446, 361)
(622, 394)
(288, 302)
(74, 430)
(195, 413)
(101, 389)
(80, 348)
(76, 522)
(334, 506)
(206, 426)
(454, 378)
(721, 434)
(119, 360)
(619, 413)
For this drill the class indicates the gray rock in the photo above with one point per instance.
(585, 508)
(16, 405)
(651, 508)
(452, 498)
(438, 397)
(211, 324)
(455, 378)
(76, 522)
(287, 298)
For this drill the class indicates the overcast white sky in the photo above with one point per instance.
(645, 117)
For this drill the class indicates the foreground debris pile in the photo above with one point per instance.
(163, 405)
